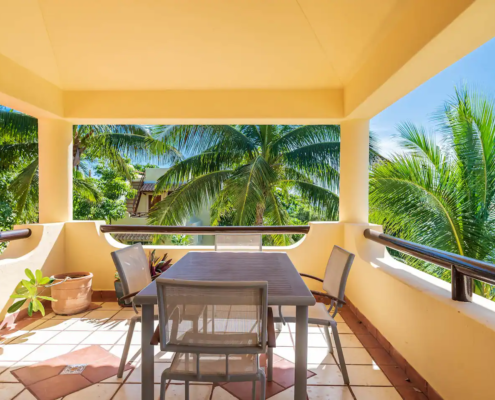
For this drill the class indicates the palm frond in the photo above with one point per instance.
(21, 186)
(248, 185)
(85, 189)
(324, 201)
(188, 199)
(198, 138)
(306, 135)
(17, 126)
(13, 154)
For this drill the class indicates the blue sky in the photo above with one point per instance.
(476, 69)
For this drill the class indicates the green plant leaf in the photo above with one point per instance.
(19, 296)
(44, 281)
(34, 302)
(21, 290)
(30, 309)
(39, 275)
(14, 307)
(47, 298)
(28, 285)
(40, 307)
(29, 274)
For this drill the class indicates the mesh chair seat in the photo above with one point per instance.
(317, 314)
(215, 340)
(214, 364)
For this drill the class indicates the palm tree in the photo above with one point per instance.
(110, 143)
(244, 168)
(443, 196)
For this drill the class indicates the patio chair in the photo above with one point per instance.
(133, 268)
(238, 242)
(336, 273)
(230, 353)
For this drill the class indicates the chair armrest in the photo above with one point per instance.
(128, 296)
(271, 329)
(328, 296)
(155, 339)
(312, 277)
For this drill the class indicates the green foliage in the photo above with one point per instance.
(441, 193)
(239, 169)
(110, 191)
(181, 240)
(27, 290)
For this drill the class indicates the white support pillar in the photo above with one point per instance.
(55, 170)
(354, 171)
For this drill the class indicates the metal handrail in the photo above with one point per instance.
(16, 234)
(204, 230)
(464, 269)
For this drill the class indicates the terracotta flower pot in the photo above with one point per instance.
(74, 295)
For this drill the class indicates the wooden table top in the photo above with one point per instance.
(285, 285)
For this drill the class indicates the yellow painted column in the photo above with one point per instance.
(55, 170)
(354, 171)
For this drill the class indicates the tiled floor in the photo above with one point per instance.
(51, 336)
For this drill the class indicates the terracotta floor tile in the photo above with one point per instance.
(37, 372)
(118, 325)
(350, 340)
(16, 352)
(133, 392)
(99, 391)
(103, 368)
(221, 394)
(66, 337)
(409, 393)
(244, 390)
(111, 305)
(58, 386)
(10, 390)
(285, 340)
(283, 373)
(355, 355)
(85, 325)
(396, 375)
(125, 314)
(55, 325)
(196, 392)
(376, 393)
(48, 351)
(326, 375)
(101, 314)
(104, 337)
(34, 337)
(135, 376)
(381, 357)
(25, 395)
(328, 392)
(367, 375)
(342, 327)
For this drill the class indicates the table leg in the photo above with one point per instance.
(147, 353)
(301, 353)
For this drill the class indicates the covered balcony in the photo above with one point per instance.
(404, 333)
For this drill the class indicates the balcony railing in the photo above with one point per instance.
(16, 234)
(205, 230)
(464, 269)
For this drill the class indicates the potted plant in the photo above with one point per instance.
(156, 266)
(70, 292)
(27, 291)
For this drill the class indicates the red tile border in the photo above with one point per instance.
(104, 295)
(408, 382)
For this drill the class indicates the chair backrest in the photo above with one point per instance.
(133, 268)
(338, 267)
(238, 242)
(212, 317)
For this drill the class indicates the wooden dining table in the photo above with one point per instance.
(285, 288)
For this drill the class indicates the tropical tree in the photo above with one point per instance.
(441, 191)
(242, 170)
(112, 144)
